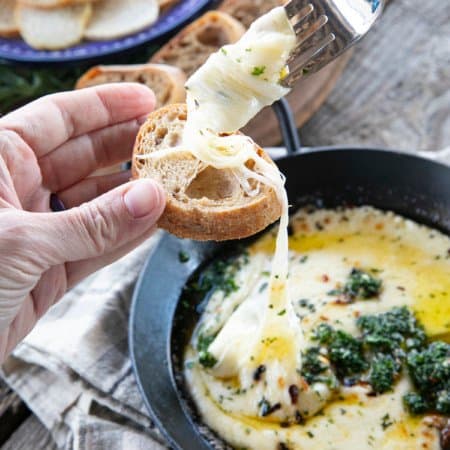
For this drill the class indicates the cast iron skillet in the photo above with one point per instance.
(409, 185)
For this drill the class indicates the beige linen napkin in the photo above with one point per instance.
(74, 370)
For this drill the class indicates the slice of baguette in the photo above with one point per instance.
(192, 46)
(113, 19)
(164, 5)
(203, 203)
(8, 27)
(51, 4)
(167, 82)
(53, 29)
(247, 11)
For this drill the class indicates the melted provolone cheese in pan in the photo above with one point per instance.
(257, 347)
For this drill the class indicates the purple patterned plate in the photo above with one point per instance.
(18, 50)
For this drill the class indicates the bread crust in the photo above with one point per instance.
(165, 5)
(11, 33)
(8, 27)
(190, 48)
(54, 4)
(174, 78)
(247, 11)
(192, 220)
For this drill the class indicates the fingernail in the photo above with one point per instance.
(143, 199)
(141, 120)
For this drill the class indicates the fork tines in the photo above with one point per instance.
(294, 6)
(313, 36)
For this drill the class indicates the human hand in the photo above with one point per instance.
(54, 145)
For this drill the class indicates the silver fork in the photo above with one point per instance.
(325, 29)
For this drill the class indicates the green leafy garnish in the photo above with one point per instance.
(393, 331)
(429, 370)
(258, 70)
(384, 370)
(205, 358)
(362, 285)
(345, 352)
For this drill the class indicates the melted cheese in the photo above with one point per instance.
(415, 269)
(233, 86)
(227, 91)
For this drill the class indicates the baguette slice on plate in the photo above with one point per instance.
(203, 203)
(167, 82)
(247, 11)
(192, 46)
(8, 27)
(114, 19)
(53, 29)
(50, 4)
(164, 5)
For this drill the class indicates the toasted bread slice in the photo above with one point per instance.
(247, 11)
(8, 27)
(164, 5)
(53, 29)
(192, 46)
(203, 203)
(117, 18)
(51, 4)
(167, 82)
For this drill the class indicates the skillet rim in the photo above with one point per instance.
(139, 296)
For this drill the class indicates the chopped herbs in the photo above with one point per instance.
(258, 70)
(362, 285)
(282, 313)
(415, 403)
(429, 370)
(219, 276)
(183, 257)
(316, 368)
(205, 358)
(346, 354)
(389, 342)
(392, 332)
(384, 370)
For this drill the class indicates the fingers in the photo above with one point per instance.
(77, 271)
(90, 188)
(100, 226)
(49, 122)
(81, 156)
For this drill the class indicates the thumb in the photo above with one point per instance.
(102, 225)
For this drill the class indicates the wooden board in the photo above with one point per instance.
(305, 99)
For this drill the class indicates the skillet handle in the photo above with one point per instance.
(288, 126)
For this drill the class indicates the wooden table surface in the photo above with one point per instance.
(403, 101)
